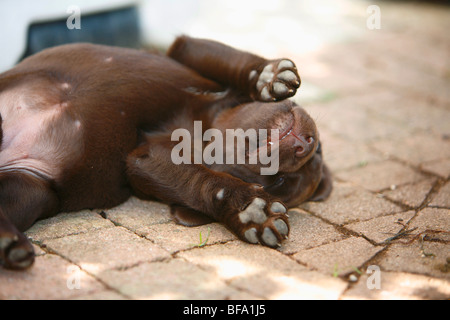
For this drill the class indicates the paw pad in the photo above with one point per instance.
(265, 224)
(254, 212)
(277, 81)
(251, 235)
(16, 251)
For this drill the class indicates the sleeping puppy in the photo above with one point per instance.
(86, 126)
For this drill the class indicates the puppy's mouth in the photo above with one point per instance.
(288, 130)
(291, 135)
(284, 124)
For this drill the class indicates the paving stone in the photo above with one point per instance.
(348, 203)
(264, 272)
(396, 71)
(409, 257)
(416, 149)
(306, 285)
(350, 118)
(174, 237)
(341, 154)
(65, 224)
(136, 213)
(349, 69)
(308, 231)
(104, 249)
(171, 279)
(433, 219)
(243, 295)
(381, 175)
(411, 195)
(438, 167)
(401, 113)
(38, 250)
(236, 258)
(102, 295)
(410, 254)
(400, 286)
(320, 74)
(421, 116)
(51, 277)
(442, 199)
(421, 28)
(339, 257)
(382, 228)
(433, 54)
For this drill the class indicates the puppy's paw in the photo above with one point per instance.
(16, 252)
(278, 80)
(263, 222)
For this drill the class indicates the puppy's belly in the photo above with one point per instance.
(38, 134)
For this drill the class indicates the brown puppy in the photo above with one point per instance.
(85, 126)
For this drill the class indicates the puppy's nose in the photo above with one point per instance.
(303, 145)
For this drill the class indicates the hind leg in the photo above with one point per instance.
(23, 199)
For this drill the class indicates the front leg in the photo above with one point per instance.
(261, 79)
(251, 213)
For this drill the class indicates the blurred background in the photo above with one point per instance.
(311, 32)
(268, 27)
(264, 26)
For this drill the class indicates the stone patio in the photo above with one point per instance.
(381, 100)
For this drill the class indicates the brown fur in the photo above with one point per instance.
(85, 126)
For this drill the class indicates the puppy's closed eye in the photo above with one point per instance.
(279, 182)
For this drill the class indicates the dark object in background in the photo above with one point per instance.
(116, 28)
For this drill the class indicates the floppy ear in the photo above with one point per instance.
(325, 186)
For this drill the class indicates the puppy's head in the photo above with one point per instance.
(299, 172)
